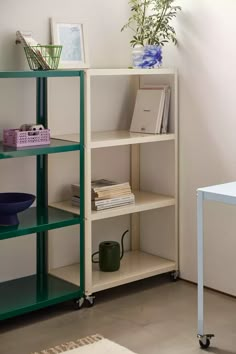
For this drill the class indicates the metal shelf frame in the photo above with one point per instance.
(53, 289)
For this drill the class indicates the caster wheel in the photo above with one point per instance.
(78, 303)
(174, 276)
(205, 345)
(90, 300)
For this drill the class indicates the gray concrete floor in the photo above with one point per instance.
(154, 316)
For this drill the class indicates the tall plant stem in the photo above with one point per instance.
(143, 19)
(161, 18)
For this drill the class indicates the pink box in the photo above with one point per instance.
(17, 138)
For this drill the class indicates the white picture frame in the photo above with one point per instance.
(71, 34)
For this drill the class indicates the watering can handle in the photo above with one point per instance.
(94, 254)
(122, 244)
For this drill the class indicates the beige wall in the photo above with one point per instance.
(206, 62)
(108, 47)
(205, 59)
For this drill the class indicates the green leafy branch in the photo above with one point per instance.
(150, 22)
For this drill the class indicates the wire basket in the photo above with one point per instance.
(43, 57)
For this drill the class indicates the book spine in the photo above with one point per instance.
(102, 207)
(108, 191)
(113, 187)
(160, 113)
(114, 200)
(114, 194)
(109, 203)
(166, 112)
(99, 197)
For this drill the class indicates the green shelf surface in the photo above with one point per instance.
(39, 73)
(56, 146)
(35, 220)
(34, 292)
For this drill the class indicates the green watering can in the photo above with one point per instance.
(109, 255)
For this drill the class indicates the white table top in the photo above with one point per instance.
(225, 193)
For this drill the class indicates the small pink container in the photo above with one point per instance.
(17, 138)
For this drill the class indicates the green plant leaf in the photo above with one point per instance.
(150, 21)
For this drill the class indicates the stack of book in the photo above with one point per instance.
(105, 194)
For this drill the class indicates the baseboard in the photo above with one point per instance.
(209, 288)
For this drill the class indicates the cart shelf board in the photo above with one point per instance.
(35, 220)
(143, 201)
(55, 146)
(33, 292)
(135, 265)
(118, 138)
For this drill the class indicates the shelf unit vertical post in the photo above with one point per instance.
(135, 185)
(87, 187)
(42, 176)
(176, 122)
(82, 169)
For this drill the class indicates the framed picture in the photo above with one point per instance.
(72, 36)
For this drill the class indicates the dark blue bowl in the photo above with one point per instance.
(11, 204)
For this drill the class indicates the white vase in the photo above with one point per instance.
(147, 57)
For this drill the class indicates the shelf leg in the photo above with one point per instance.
(135, 185)
(82, 171)
(42, 93)
(42, 181)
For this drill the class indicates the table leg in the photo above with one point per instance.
(204, 339)
(200, 262)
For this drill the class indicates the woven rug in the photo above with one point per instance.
(95, 344)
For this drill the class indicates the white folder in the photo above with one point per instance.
(148, 111)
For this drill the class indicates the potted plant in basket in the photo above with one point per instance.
(150, 21)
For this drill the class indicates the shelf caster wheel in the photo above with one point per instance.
(174, 275)
(206, 344)
(90, 300)
(205, 341)
(78, 303)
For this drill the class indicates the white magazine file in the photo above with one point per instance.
(148, 111)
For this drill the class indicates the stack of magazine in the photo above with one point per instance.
(25, 38)
(105, 194)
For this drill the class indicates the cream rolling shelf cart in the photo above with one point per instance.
(153, 175)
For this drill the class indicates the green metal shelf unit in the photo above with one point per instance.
(40, 290)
